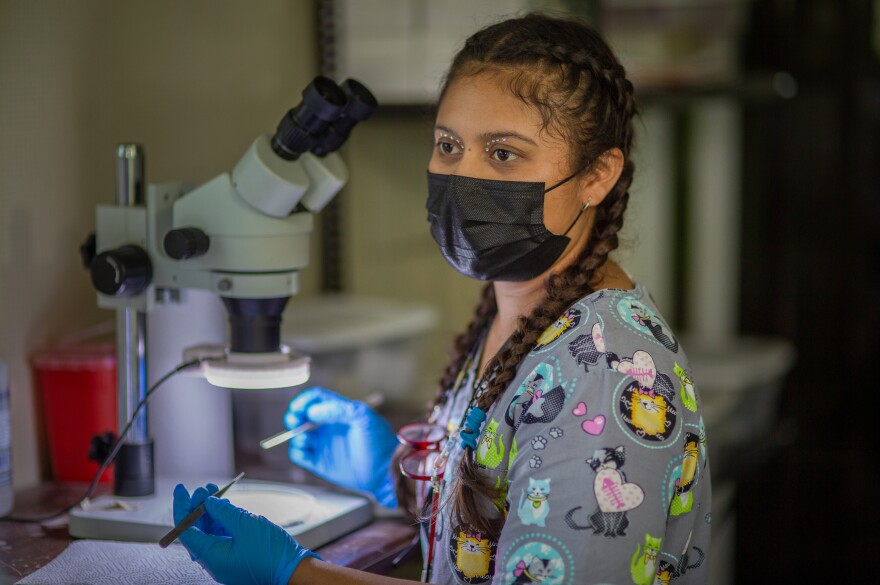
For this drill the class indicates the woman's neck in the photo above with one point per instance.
(513, 299)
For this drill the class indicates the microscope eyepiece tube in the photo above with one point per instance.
(360, 106)
(299, 130)
(323, 102)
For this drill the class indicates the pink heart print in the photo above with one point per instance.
(598, 338)
(641, 367)
(594, 425)
(613, 495)
(591, 426)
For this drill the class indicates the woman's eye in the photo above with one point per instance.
(448, 148)
(502, 155)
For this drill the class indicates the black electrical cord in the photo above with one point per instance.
(116, 446)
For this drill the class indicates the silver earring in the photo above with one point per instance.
(587, 204)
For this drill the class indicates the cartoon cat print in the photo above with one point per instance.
(643, 317)
(687, 393)
(536, 404)
(570, 319)
(587, 350)
(474, 556)
(648, 412)
(683, 499)
(609, 524)
(666, 571)
(536, 570)
(490, 451)
(644, 563)
(533, 506)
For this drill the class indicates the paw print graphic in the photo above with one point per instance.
(555, 432)
(539, 443)
(535, 462)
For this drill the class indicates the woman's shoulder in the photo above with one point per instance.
(609, 319)
(609, 331)
(629, 318)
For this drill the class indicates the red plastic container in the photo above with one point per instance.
(78, 388)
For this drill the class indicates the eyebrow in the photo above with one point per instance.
(449, 131)
(487, 136)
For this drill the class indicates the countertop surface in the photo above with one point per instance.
(26, 547)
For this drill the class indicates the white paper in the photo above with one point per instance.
(102, 562)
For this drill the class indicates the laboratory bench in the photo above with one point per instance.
(24, 548)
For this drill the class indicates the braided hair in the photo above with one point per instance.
(564, 69)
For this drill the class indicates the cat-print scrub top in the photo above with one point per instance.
(600, 448)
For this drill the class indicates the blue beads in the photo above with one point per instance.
(471, 429)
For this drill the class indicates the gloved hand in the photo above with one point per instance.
(235, 546)
(205, 523)
(352, 447)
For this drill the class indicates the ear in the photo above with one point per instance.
(602, 177)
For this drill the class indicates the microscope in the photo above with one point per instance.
(243, 236)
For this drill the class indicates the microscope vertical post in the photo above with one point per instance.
(134, 467)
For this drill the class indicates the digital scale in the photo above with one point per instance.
(312, 515)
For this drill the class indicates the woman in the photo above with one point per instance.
(576, 450)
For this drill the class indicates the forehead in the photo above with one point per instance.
(484, 104)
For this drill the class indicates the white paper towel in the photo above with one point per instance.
(101, 562)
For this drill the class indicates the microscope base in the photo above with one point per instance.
(311, 515)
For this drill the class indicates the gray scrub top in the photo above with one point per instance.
(600, 449)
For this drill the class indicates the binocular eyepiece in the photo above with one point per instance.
(323, 119)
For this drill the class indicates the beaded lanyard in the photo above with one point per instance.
(471, 421)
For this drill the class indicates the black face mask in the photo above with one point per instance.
(493, 230)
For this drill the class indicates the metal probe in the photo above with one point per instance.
(373, 401)
(193, 516)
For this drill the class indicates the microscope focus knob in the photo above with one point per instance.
(124, 272)
(183, 243)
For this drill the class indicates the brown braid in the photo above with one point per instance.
(567, 72)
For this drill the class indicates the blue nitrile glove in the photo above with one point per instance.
(235, 546)
(205, 523)
(352, 447)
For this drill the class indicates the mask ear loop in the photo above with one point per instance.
(586, 205)
(580, 213)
